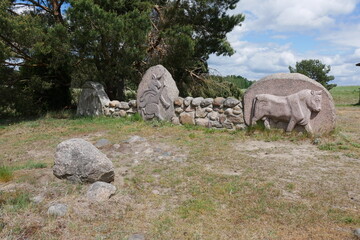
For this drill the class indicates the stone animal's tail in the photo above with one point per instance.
(253, 110)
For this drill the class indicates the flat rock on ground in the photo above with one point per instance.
(100, 191)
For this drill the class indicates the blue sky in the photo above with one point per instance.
(279, 33)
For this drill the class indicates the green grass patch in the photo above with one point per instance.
(342, 216)
(15, 200)
(29, 165)
(195, 207)
(6, 174)
(345, 95)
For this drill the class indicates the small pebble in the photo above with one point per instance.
(137, 236)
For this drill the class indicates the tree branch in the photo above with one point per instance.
(37, 4)
(18, 50)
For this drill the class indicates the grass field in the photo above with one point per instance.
(186, 182)
(346, 95)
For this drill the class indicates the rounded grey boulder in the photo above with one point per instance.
(57, 210)
(100, 191)
(79, 161)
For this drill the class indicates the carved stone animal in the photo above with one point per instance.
(294, 109)
(153, 97)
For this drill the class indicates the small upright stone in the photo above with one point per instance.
(93, 100)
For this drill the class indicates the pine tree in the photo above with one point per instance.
(314, 69)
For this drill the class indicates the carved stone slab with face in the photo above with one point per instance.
(290, 101)
(156, 94)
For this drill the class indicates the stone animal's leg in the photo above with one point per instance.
(266, 122)
(308, 128)
(291, 125)
(151, 111)
(254, 120)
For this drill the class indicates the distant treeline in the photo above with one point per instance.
(239, 81)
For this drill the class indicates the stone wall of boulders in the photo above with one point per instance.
(207, 112)
(116, 108)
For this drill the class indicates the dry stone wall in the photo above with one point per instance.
(116, 108)
(207, 112)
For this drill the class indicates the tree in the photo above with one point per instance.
(316, 70)
(109, 40)
(118, 40)
(44, 51)
(240, 81)
(183, 36)
(35, 43)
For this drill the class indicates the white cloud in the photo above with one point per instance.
(346, 35)
(328, 21)
(282, 15)
(254, 61)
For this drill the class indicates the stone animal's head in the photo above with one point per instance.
(313, 101)
(156, 81)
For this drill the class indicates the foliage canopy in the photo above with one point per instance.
(314, 69)
(50, 45)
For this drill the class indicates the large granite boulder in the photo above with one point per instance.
(79, 161)
(92, 100)
(290, 101)
(156, 94)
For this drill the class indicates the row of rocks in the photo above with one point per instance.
(116, 108)
(209, 112)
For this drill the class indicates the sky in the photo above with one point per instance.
(278, 33)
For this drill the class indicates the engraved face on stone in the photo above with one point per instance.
(314, 101)
(156, 94)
